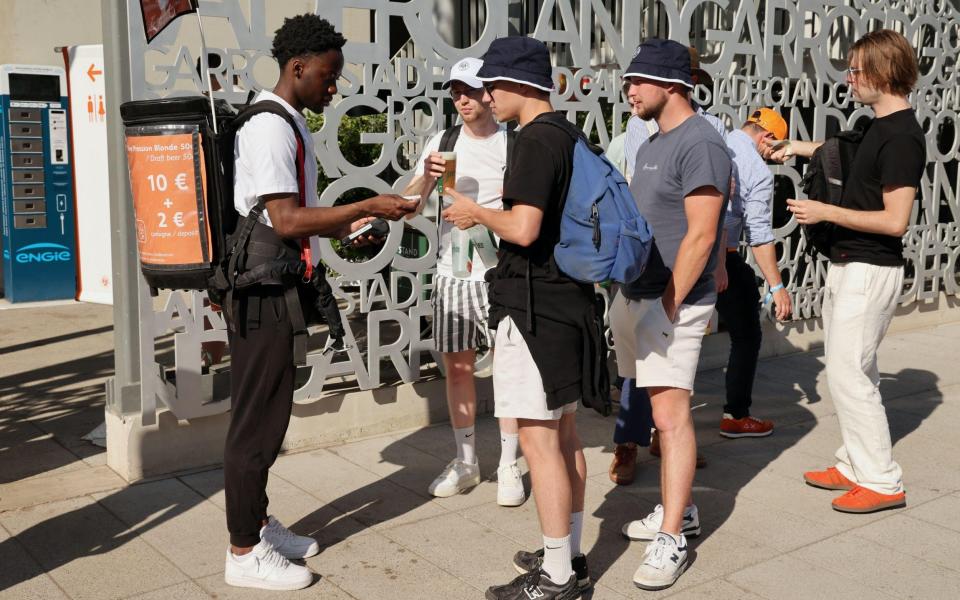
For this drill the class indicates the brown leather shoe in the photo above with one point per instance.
(623, 468)
(655, 450)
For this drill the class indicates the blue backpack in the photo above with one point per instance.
(603, 237)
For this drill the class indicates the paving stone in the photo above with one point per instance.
(58, 487)
(21, 577)
(208, 484)
(927, 541)
(181, 591)
(177, 521)
(748, 518)
(902, 575)
(519, 524)
(36, 458)
(613, 565)
(940, 511)
(77, 541)
(399, 462)
(789, 578)
(476, 554)
(374, 566)
(723, 553)
(715, 590)
(359, 493)
(216, 587)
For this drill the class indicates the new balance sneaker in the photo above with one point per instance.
(525, 562)
(535, 585)
(457, 477)
(664, 561)
(510, 486)
(266, 569)
(287, 543)
(745, 427)
(647, 528)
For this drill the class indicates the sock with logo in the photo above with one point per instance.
(556, 559)
(576, 530)
(466, 444)
(508, 448)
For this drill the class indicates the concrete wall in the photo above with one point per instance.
(30, 29)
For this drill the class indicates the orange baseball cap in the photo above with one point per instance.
(770, 120)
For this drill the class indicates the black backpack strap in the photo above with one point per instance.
(290, 295)
(449, 138)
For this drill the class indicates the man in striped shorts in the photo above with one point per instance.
(460, 293)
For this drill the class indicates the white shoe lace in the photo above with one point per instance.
(272, 558)
(655, 551)
(655, 518)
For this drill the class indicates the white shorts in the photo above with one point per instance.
(653, 350)
(517, 386)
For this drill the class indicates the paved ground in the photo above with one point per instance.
(69, 528)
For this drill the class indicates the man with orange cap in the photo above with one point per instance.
(749, 212)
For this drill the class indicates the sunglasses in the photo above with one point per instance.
(476, 94)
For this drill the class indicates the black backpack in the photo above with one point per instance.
(824, 180)
(235, 254)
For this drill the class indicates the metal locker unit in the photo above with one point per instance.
(36, 185)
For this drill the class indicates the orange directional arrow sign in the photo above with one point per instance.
(92, 71)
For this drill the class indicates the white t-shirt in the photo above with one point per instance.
(480, 167)
(265, 162)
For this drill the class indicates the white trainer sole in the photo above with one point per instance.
(250, 582)
(464, 486)
(653, 587)
(312, 550)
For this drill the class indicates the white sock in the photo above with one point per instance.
(466, 445)
(508, 448)
(576, 530)
(556, 559)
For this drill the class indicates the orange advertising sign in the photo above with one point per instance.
(166, 171)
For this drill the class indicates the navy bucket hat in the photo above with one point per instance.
(661, 60)
(519, 59)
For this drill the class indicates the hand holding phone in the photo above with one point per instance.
(376, 228)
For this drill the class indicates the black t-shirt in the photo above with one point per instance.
(539, 173)
(893, 152)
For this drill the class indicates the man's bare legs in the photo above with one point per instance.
(678, 445)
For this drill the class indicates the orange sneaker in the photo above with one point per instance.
(831, 479)
(745, 427)
(623, 468)
(864, 500)
(655, 449)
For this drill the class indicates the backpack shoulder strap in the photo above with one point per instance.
(449, 139)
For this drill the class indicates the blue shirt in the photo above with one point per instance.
(750, 209)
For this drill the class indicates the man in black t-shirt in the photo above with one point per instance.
(866, 267)
(541, 316)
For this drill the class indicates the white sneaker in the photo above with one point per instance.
(644, 530)
(266, 569)
(663, 562)
(457, 476)
(510, 486)
(287, 543)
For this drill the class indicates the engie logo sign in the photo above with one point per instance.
(42, 253)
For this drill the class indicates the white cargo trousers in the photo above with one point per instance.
(858, 305)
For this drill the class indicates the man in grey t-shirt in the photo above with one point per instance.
(681, 183)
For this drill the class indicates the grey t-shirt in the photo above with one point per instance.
(669, 167)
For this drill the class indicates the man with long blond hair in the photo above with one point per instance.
(866, 267)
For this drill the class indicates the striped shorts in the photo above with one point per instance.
(460, 314)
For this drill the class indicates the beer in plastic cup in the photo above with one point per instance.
(449, 178)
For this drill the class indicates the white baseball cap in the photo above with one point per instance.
(465, 70)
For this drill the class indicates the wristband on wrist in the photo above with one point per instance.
(769, 296)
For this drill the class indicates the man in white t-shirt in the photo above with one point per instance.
(460, 293)
(267, 171)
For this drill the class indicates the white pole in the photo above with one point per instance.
(206, 66)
